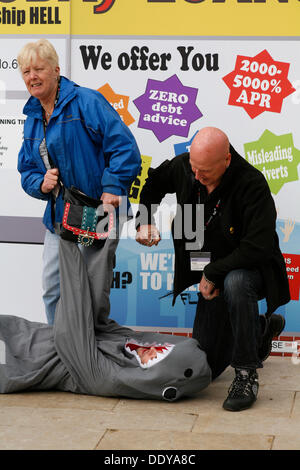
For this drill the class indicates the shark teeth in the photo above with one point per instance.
(131, 346)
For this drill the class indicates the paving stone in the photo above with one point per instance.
(62, 437)
(160, 440)
(58, 400)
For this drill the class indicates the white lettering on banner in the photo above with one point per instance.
(144, 277)
(275, 173)
(293, 270)
(157, 262)
(168, 96)
(256, 158)
(119, 105)
(263, 98)
(155, 280)
(2, 352)
(165, 119)
(167, 108)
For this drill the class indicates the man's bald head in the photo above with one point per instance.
(209, 156)
(212, 141)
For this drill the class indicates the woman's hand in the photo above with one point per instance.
(110, 201)
(50, 180)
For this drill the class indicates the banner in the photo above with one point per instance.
(187, 17)
(34, 17)
(164, 17)
(172, 88)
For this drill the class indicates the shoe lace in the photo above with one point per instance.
(240, 386)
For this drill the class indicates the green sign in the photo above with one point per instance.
(276, 157)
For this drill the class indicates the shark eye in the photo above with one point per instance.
(169, 393)
(188, 372)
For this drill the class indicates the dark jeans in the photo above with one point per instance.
(228, 327)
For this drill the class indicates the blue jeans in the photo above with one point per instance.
(228, 327)
(51, 289)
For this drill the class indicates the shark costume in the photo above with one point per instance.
(86, 352)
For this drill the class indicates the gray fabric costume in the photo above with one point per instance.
(85, 351)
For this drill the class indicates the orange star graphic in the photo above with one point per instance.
(118, 102)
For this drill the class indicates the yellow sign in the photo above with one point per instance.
(35, 17)
(137, 185)
(186, 17)
(151, 17)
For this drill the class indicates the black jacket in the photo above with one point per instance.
(246, 224)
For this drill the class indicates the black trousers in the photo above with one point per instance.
(228, 327)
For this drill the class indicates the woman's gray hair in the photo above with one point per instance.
(41, 48)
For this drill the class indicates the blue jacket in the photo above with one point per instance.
(87, 141)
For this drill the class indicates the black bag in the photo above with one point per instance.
(81, 223)
(80, 218)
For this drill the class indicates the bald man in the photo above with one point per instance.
(234, 255)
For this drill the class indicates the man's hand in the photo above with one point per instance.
(208, 289)
(110, 201)
(148, 235)
(50, 180)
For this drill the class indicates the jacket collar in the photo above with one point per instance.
(230, 173)
(67, 92)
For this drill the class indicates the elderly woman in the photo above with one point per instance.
(73, 136)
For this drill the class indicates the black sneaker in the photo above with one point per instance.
(243, 391)
(271, 328)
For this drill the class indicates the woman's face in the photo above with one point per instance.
(41, 79)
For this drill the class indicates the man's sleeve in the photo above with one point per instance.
(255, 246)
